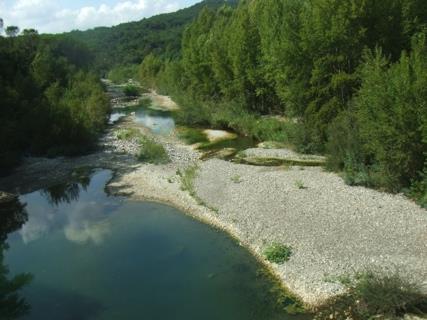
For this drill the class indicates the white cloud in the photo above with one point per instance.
(49, 16)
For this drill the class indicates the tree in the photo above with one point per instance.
(30, 32)
(1, 26)
(12, 31)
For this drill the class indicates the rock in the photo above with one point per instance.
(413, 317)
(278, 157)
(218, 135)
(224, 154)
(271, 145)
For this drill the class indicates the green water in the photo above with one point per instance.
(93, 256)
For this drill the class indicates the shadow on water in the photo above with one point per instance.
(12, 306)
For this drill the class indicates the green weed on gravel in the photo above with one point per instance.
(152, 152)
(278, 253)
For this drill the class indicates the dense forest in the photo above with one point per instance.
(51, 103)
(346, 78)
(128, 43)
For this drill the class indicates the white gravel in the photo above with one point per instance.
(279, 154)
(334, 229)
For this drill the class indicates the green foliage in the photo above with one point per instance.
(300, 185)
(128, 43)
(121, 74)
(128, 134)
(392, 118)
(278, 253)
(372, 295)
(236, 179)
(51, 104)
(131, 90)
(12, 31)
(152, 152)
(187, 179)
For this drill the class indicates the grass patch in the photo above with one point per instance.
(152, 152)
(278, 253)
(373, 295)
(192, 136)
(300, 185)
(128, 134)
(236, 179)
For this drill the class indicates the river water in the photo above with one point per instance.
(94, 256)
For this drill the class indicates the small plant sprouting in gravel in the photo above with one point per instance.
(300, 185)
(278, 253)
(187, 179)
(236, 179)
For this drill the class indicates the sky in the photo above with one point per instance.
(54, 16)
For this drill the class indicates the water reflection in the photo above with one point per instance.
(160, 122)
(12, 305)
(79, 207)
(68, 191)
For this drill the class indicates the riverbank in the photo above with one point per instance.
(334, 229)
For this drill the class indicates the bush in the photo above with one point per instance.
(131, 90)
(152, 152)
(278, 253)
(187, 179)
(372, 295)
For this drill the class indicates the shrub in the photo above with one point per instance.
(278, 253)
(372, 295)
(152, 152)
(131, 90)
(187, 179)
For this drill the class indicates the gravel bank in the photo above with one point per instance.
(334, 229)
(280, 154)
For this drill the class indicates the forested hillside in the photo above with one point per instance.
(129, 43)
(51, 104)
(347, 78)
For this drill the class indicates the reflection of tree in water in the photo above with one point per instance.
(68, 191)
(12, 217)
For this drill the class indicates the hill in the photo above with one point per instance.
(128, 43)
